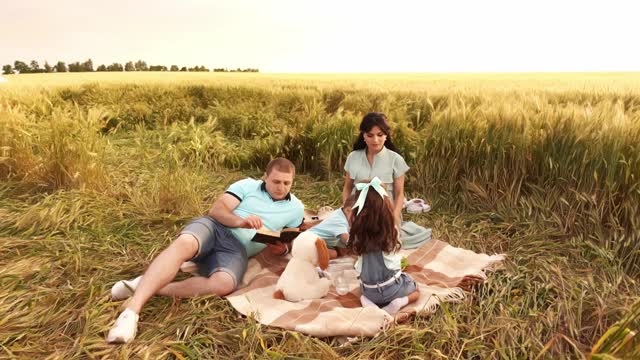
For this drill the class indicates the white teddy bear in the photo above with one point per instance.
(300, 279)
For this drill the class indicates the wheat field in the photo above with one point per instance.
(99, 171)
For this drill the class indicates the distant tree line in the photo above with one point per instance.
(33, 67)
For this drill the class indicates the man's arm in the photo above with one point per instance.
(222, 211)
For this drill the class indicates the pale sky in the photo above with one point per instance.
(328, 35)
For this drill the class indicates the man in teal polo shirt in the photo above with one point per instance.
(219, 244)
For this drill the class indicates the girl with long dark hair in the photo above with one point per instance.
(374, 238)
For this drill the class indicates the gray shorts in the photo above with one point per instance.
(218, 249)
(382, 296)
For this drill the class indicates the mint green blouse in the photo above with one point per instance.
(387, 165)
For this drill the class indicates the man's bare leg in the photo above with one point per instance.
(163, 269)
(219, 283)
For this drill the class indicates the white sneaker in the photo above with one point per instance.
(416, 206)
(124, 330)
(124, 289)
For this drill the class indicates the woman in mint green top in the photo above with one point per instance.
(375, 155)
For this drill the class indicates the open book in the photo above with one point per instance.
(267, 236)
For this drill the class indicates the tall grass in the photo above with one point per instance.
(575, 167)
(62, 149)
(96, 179)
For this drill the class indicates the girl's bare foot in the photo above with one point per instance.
(403, 316)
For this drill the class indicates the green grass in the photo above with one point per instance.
(98, 178)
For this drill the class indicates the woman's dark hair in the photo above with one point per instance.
(368, 122)
(374, 228)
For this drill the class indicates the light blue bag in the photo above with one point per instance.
(413, 235)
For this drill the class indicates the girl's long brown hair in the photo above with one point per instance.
(374, 228)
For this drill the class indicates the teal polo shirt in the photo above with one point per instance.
(275, 214)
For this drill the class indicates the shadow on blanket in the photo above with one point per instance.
(442, 272)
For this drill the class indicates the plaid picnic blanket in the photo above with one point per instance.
(443, 274)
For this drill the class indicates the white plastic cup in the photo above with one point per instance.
(341, 283)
